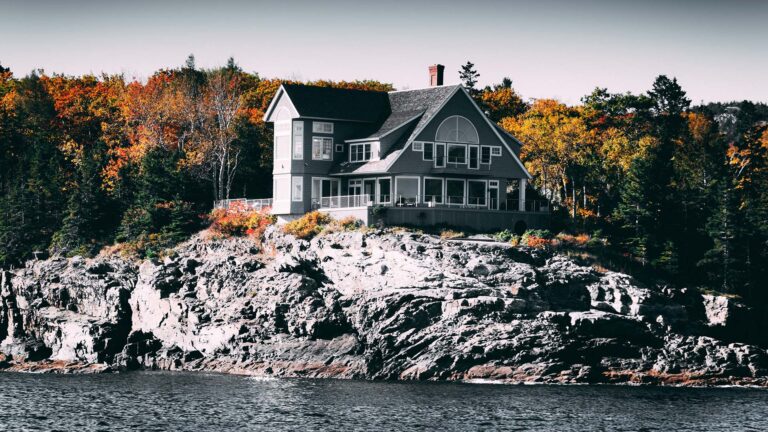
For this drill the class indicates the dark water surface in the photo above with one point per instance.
(198, 402)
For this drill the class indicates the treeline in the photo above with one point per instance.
(680, 189)
(91, 161)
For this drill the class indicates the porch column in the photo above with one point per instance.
(521, 202)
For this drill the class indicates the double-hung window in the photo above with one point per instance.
(485, 155)
(360, 152)
(322, 148)
(429, 153)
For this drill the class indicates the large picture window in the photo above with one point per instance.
(457, 154)
(454, 190)
(407, 190)
(476, 193)
(433, 190)
(360, 152)
(322, 148)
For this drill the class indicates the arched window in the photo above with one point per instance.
(457, 129)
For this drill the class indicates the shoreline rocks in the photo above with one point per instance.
(375, 305)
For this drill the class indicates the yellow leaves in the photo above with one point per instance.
(698, 125)
(72, 151)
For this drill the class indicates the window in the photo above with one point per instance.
(485, 155)
(496, 151)
(433, 190)
(429, 151)
(407, 190)
(322, 148)
(360, 152)
(297, 188)
(439, 155)
(298, 140)
(474, 157)
(418, 146)
(454, 190)
(457, 154)
(457, 129)
(322, 127)
(385, 192)
(476, 193)
(339, 148)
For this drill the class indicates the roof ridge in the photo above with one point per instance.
(424, 88)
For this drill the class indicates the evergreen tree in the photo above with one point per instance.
(468, 75)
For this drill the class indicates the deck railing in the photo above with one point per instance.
(248, 204)
(431, 201)
(342, 201)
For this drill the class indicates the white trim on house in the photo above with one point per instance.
(275, 101)
(418, 146)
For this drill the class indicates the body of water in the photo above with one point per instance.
(155, 401)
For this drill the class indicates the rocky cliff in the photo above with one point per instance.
(376, 305)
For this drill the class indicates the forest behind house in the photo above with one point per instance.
(88, 162)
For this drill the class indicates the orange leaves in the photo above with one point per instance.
(239, 221)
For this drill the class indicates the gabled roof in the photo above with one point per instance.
(429, 100)
(336, 103)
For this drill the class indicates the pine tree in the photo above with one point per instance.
(469, 76)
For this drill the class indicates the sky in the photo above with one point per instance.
(563, 49)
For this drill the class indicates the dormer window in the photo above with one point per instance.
(457, 129)
(322, 127)
(360, 152)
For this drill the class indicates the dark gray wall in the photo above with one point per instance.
(503, 166)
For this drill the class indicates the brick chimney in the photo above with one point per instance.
(436, 75)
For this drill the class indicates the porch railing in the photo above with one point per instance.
(248, 204)
(342, 201)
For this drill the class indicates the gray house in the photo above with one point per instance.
(415, 157)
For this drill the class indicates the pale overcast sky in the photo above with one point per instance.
(718, 50)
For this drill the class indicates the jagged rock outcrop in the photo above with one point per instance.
(374, 305)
